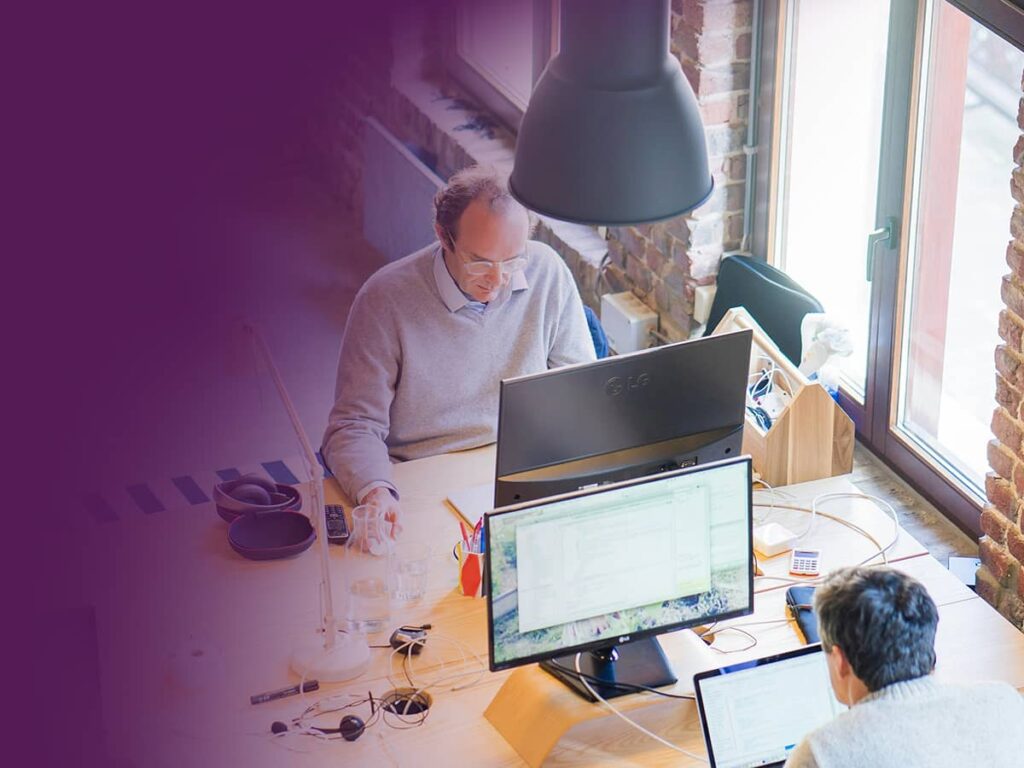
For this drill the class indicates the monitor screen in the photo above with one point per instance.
(621, 417)
(618, 563)
(740, 731)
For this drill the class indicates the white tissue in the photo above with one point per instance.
(822, 339)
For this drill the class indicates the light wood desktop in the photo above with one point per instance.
(255, 612)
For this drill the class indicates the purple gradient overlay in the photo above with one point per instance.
(159, 159)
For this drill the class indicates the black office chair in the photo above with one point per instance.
(773, 299)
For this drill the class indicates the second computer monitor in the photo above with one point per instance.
(621, 417)
(611, 567)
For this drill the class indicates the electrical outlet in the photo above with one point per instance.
(703, 297)
(627, 322)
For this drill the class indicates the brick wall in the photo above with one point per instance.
(666, 261)
(663, 262)
(1000, 578)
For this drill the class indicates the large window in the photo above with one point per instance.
(834, 111)
(892, 153)
(960, 208)
(501, 49)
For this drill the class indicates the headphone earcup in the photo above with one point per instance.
(251, 493)
(351, 727)
(253, 479)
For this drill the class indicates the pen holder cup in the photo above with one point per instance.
(471, 571)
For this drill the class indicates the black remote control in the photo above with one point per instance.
(337, 528)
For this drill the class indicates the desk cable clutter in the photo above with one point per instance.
(765, 399)
(615, 711)
(814, 512)
(406, 705)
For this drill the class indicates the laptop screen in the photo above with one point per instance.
(755, 713)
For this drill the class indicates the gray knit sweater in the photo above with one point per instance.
(924, 723)
(419, 370)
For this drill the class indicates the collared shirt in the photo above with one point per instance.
(455, 299)
(402, 339)
(452, 295)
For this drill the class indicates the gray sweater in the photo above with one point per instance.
(419, 369)
(921, 722)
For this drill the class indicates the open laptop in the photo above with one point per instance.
(756, 712)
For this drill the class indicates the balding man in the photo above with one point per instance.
(430, 337)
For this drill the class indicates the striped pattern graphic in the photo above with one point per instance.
(149, 498)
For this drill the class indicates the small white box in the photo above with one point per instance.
(772, 539)
(703, 298)
(627, 321)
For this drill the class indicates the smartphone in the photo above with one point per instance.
(337, 527)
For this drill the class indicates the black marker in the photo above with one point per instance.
(292, 690)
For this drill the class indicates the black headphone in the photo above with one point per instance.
(351, 728)
(253, 493)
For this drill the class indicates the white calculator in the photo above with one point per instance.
(805, 562)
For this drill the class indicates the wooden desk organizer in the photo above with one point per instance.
(812, 438)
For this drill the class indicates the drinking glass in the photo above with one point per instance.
(366, 569)
(410, 564)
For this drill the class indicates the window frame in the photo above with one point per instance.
(490, 95)
(876, 419)
(1003, 17)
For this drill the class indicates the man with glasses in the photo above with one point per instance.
(429, 338)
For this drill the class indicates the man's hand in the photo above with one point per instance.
(382, 498)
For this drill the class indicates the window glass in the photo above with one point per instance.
(829, 159)
(496, 40)
(959, 229)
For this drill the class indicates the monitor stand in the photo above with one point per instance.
(640, 662)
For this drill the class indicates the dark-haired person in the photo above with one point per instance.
(877, 626)
(429, 337)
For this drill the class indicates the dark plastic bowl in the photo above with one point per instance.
(288, 499)
(271, 535)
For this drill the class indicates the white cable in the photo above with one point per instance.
(881, 503)
(895, 525)
(815, 580)
(771, 501)
(775, 493)
(882, 551)
(775, 369)
(419, 687)
(771, 504)
(636, 725)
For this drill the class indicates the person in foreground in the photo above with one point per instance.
(430, 336)
(877, 627)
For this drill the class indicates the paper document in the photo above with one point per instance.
(472, 502)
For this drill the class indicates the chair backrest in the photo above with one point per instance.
(773, 299)
(597, 334)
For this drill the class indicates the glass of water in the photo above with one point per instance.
(407, 574)
(368, 605)
(367, 570)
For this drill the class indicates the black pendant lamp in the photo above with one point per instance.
(612, 134)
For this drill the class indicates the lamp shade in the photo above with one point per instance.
(612, 133)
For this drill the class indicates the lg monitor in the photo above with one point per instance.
(601, 572)
(622, 417)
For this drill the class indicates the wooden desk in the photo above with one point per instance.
(246, 617)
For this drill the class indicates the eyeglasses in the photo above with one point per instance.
(485, 267)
